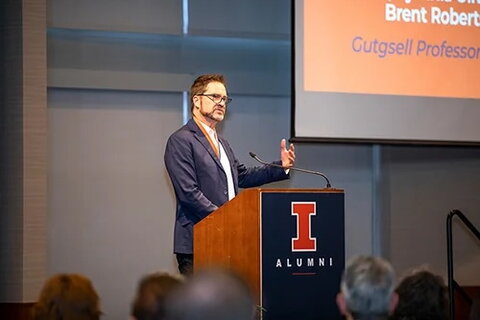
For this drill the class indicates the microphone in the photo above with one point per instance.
(254, 156)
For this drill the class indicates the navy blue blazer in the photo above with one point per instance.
(200, 182)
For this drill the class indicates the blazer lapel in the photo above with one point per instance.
(203, 140)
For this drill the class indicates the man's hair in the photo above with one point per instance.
(153, 289)
(200, 84)
(422, 295)
(67, 296)
(212, 295)
(367, 286)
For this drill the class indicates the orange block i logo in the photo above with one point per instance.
(303, 211)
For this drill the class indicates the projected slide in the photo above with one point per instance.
(387, 71)
(423, 48)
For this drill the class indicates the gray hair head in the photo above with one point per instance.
(214, 295)
(367, 285)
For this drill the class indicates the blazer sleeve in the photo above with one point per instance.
(257, 176)
(180, 164)
(249, 177)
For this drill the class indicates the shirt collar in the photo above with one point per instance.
(210, 131)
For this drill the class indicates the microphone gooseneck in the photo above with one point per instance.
(254, 156)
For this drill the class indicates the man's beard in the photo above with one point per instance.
(211, 115)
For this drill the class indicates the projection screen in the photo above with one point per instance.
(386, 70)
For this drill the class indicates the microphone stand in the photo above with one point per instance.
(254, 156)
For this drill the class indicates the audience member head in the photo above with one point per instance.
(153, 289)
(366, 290)
(213, 295)
(422, 296)
(67, 297)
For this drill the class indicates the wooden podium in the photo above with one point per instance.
(288, 244)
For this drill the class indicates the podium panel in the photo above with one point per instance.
(302, 254)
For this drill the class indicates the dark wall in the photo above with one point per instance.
(11, 150)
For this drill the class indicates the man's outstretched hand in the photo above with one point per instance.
(287, 155)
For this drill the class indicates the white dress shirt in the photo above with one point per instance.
(223, 160)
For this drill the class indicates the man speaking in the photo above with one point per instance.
(203, 168)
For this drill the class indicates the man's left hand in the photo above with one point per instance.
(287, 155)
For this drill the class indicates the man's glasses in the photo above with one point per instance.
(216, 98)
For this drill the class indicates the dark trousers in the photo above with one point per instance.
(185, 263)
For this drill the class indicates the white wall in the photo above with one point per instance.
(111, 212)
